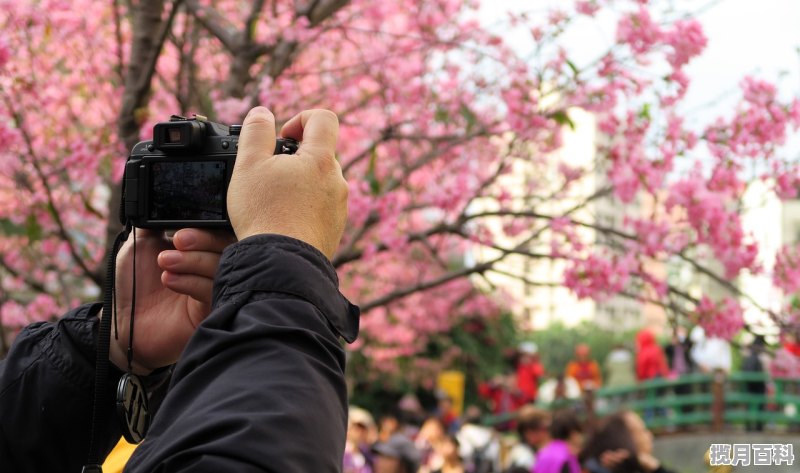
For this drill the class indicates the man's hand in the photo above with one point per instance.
(174, 283)
(304, 195)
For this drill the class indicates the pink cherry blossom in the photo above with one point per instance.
(722, 319)
(450, 139)
(639, 31)
(786, 273)
(687, 41)
(587, 7)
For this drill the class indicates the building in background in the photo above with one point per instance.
(532, 287)
(773, 223)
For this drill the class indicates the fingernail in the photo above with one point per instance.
(169, 258)
(258, 112)
(185, 239)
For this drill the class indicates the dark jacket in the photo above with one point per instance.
(260, 386)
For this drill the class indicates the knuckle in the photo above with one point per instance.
(325, 160)
(344, 189)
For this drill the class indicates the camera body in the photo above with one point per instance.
(180, 178)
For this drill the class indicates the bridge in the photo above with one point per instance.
(709, 402)
(690, 413)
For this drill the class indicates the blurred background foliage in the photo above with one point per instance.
(481, 349)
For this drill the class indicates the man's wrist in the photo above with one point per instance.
(117, 355)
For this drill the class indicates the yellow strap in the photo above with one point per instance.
(118, 457)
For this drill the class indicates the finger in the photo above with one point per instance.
(200, 263)
(145, 235)
(203, 240)
(317, 130)
(257, 138)
(147, 232)
(197, 287)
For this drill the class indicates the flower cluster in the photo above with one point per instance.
(786, 272)
(450, 139)
(599, 277)
(722, 319)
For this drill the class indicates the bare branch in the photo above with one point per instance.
(149, 34)
(252, 18)
(31, 283)
(319, 10)
(725, 283)
(423, 286)
(118, 37)
(215, 23)
(351, 253)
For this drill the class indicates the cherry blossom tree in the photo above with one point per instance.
(436, 112)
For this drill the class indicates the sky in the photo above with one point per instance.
(745, 37)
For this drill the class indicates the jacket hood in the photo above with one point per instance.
(645, 338)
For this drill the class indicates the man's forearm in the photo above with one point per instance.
(260, 386)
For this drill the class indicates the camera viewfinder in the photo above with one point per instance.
(173, 135)
(169, 136)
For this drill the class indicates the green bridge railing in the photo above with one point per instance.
(704, 401)
(710, 400)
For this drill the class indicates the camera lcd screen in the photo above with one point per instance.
(187, 190)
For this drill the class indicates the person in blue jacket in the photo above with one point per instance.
(251, 324)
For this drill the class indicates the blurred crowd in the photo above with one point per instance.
(539, 428)
(543, 442)
(686, 352)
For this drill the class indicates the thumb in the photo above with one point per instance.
(257, 139)
(317, 131)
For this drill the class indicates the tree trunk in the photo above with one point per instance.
(149, 32)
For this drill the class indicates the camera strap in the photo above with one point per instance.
(131, 399)
(132, 409)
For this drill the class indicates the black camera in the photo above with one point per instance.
(180, 178)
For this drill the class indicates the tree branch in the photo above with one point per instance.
(423, 286)
(118, 37)
(51, 202)
(350, 253)
(31, 283)
(215, 23)
(150, 34)
(318, 11)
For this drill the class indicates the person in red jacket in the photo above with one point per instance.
(650, 359)
(651, 363)
(529, 371)
(503, 397)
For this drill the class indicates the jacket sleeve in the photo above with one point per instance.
(46, 385)
(260, 386)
